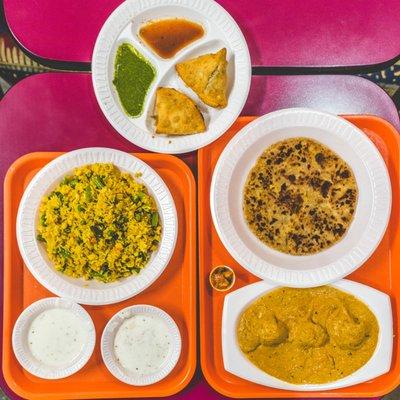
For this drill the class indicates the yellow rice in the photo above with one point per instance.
(99, 223)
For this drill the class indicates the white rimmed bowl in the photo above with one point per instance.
(80, 290)
(20, 339)
(220, 31)
(370, 219)
(236, 363)
(110, 359)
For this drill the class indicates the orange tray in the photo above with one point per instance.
(381, 271)
(174, 291)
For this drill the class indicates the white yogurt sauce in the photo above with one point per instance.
(57, 336)
(142, 344)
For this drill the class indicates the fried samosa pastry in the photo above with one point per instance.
(176, 113)
(206, 76)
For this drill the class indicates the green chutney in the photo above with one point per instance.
(133, 76)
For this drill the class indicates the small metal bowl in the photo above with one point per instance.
(221, 269)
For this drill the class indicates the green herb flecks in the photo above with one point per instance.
(154, 219)
(88, 194)
(98, 181)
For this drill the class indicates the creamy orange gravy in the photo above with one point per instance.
(167, 36)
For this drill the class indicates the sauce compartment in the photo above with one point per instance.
(170, 12)
(168, 36)
(220, 30)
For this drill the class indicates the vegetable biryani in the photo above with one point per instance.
(99, 223)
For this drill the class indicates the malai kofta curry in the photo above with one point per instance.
(308, 336)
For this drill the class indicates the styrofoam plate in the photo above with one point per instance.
(220, 31)
(370, 218)
(80, 290)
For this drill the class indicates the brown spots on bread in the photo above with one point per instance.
(300, 197)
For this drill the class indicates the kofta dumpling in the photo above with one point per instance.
(308, 335)
(345, 330)
(259, 326)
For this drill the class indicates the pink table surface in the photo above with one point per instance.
(59, 112)
(337, 94)
(310, 33)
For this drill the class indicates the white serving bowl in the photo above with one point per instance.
(370, 219)
(83, 291)
(110, 359)
(220, 30)
(236, 363)
(20, 339)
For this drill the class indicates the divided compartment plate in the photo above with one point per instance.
(220, 30)
(174, 292)
(380, 272)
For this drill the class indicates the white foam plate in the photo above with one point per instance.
(107, 346)
(220, 31)
(20, 339)
(80, 290)
(370, 218)
(236, 362)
